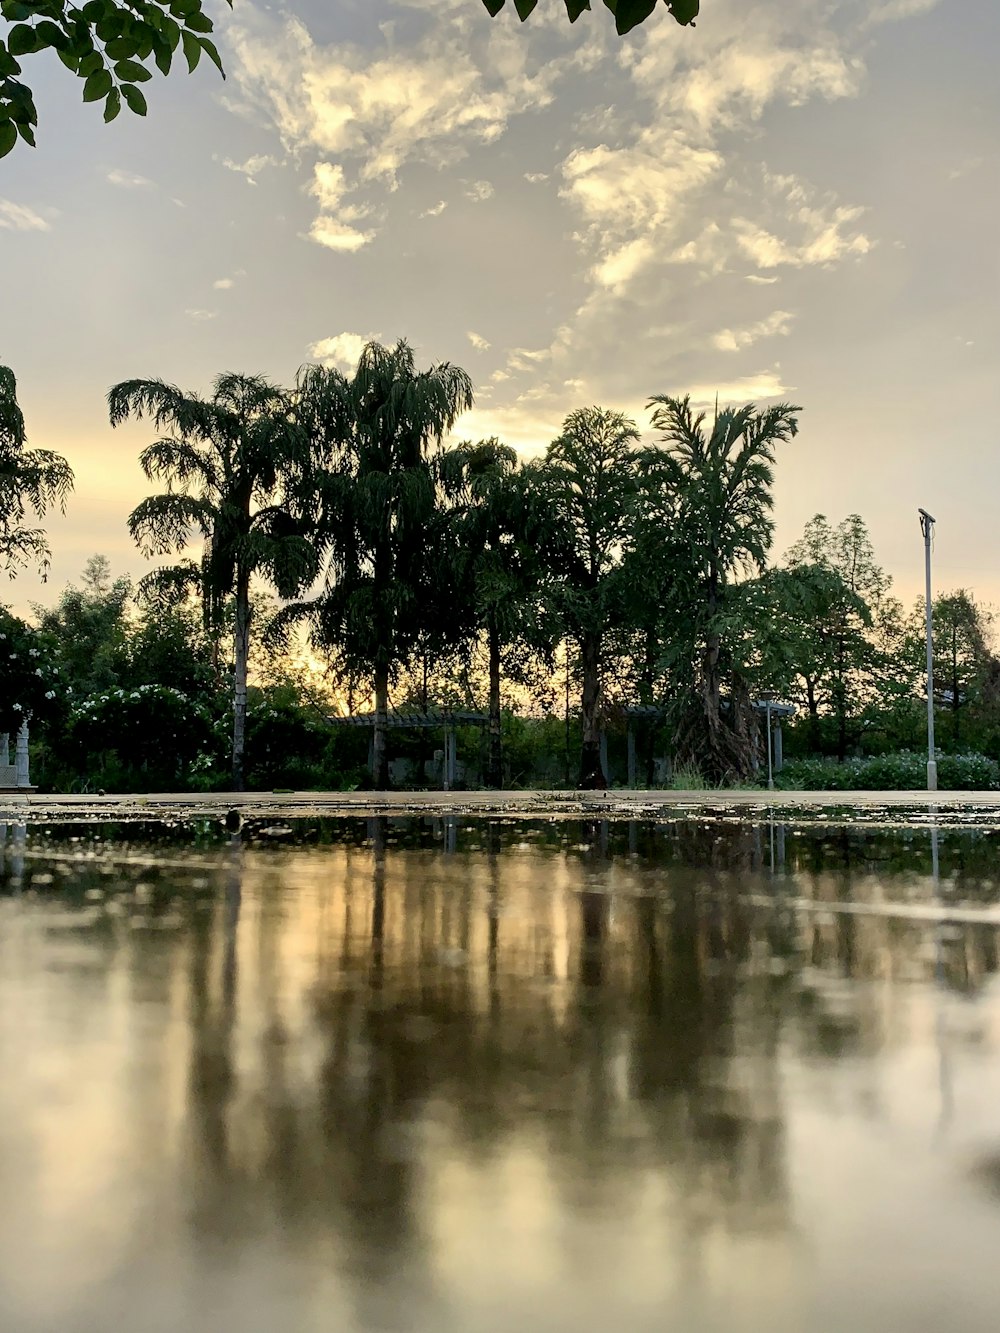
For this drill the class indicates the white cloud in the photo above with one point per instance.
(750, 389)
(478, 341)
(535, 177)
(435, 210)
(223, 284)
(342, 349)
(18, 217)
(479, 191)
(128, 180)
(334, 228)
(777, 324)
(201, 314)
(760, 279)
(252, 167)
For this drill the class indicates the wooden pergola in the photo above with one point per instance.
(420, 719)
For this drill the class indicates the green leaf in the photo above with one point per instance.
(213, 55)
(8, 65)
(524, 8)
(130, 71)
(49, 34)
(8, 137)
(121, 48)
(171, 33)
(574, 8)
(112, 106)
(98, 85)
(95, 10)
(21, 40)
(198, 23)
(162, 55)
(134, 97)
(493, 7)
(630, 13)
(684, 11)
(192, 50)
(70, 60)
(26, 133)
(90, 64)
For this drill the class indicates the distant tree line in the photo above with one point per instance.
(334, 523)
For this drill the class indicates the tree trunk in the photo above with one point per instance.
(241, 652)
(592, 773)
(494, 765)
(380, 753)
(954, 686)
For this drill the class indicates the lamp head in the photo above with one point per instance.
(928, 517)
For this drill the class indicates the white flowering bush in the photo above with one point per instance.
(31, 688)
(154, 734)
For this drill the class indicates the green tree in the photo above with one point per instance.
(588, 482)
(721, 480)
(109, 44)
(235, 465)
(496, 536)
(377, 505)
(850, 640)
(628, 13)
(89, 624)
(30, 479)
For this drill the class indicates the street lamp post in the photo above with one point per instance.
(927, 522)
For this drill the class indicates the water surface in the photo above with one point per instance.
(455, 1076)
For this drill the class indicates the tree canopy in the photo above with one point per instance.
(109, 44)
(628, 13)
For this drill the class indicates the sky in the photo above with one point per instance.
(794, 201)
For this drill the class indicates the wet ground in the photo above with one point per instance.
(702, 1071)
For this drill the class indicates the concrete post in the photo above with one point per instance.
(604, 756)
(630, 740)
(22, 778)
(4, 747)
(779, 754)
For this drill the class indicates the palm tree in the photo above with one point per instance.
(234, 465)
(589, 479)
(495, 536)
(722, 482)
(377, 501)
(30, 479)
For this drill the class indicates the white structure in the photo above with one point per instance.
(15, 776)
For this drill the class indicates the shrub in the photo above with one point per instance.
(902, 771)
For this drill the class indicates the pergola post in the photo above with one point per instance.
(630, 742)
(779, 757)
(4, 748)
(450, 758)
(604, 756)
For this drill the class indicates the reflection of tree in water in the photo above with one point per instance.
(616, 1016)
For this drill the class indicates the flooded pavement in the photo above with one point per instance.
(451, 1075)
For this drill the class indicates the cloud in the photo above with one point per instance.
(222, 284)
(777, 324)
(252, 167)
(761, 279)
(334, 227)
(750, 389)
(201, 314)
(342, 349)
(128, 180)
(18, 217)
(534, 177)
(479, 191)
(435, 210)
(478, 341)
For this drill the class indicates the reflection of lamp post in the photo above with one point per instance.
(927, 528)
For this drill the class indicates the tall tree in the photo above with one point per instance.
(30, 479)
(235, 464)
(376, 433)
(588, 481)
(722, 480)
(89, 625)
(849, 618)
(496, 536)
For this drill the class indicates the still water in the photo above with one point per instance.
(461, 1077)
